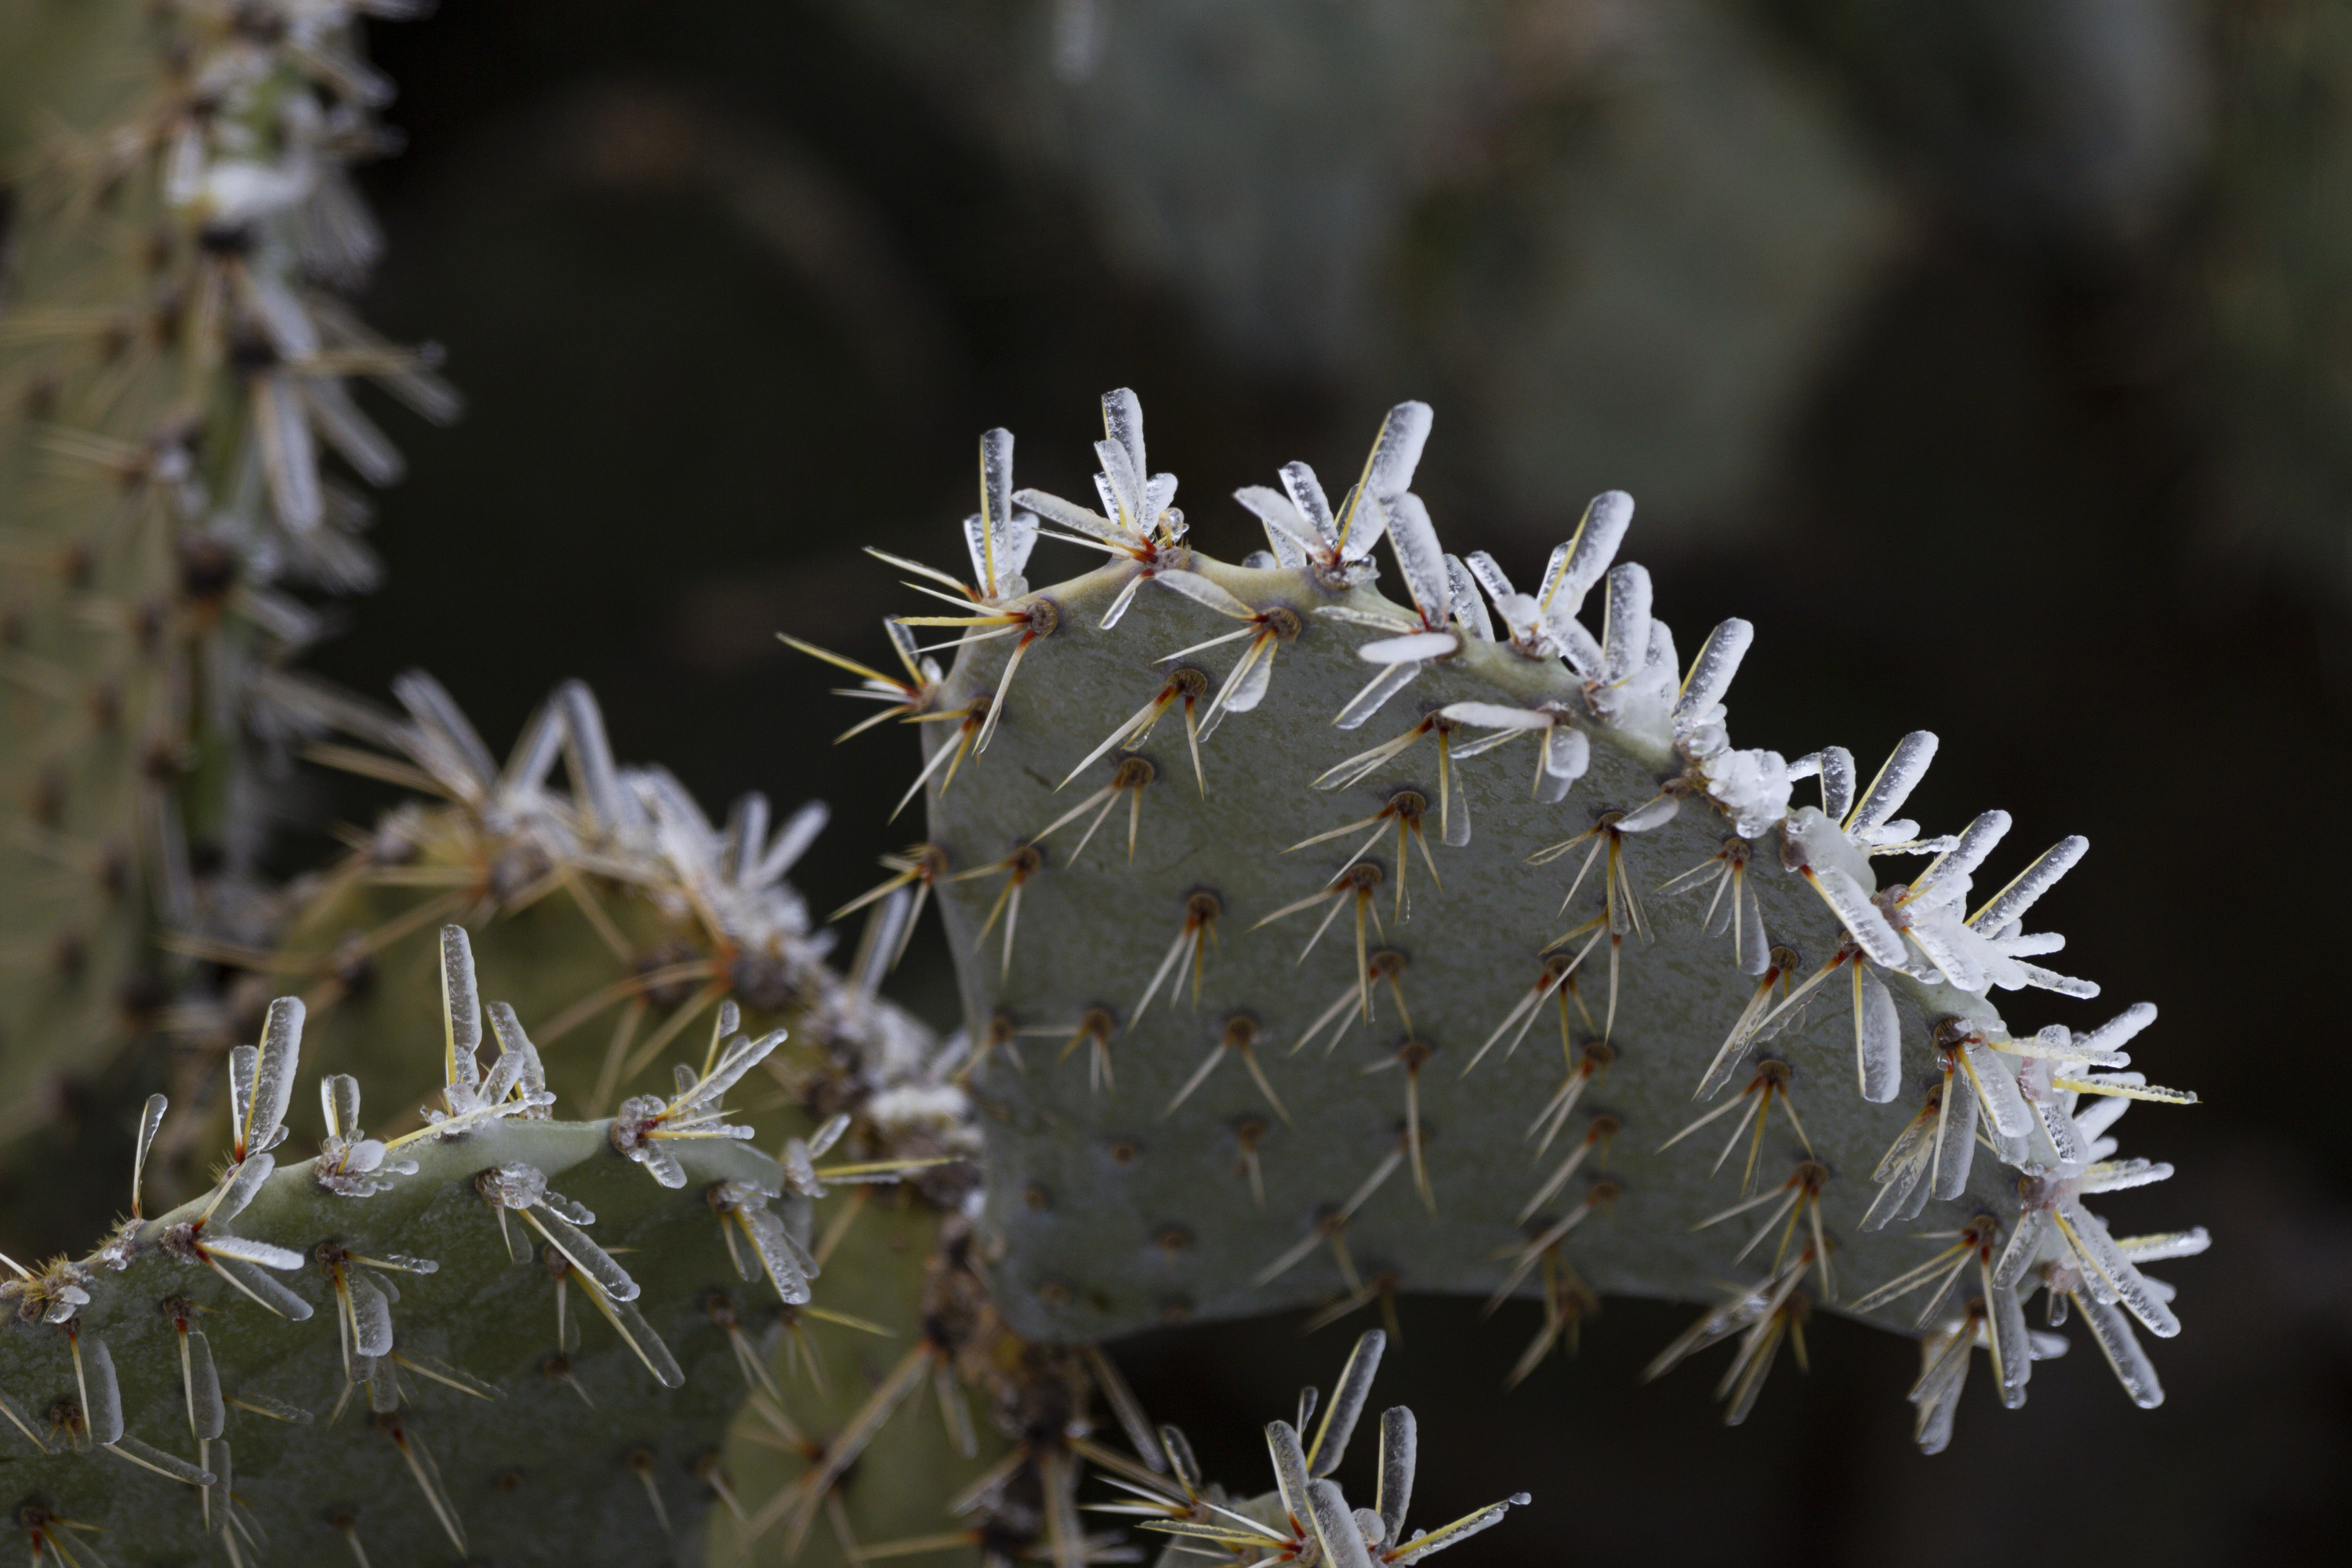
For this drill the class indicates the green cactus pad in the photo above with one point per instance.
(534, 1473)
(1131, 1198)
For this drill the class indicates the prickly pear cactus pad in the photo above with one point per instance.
(1317, 946)
(819, 1481)
(620, 919)
(489, 1341)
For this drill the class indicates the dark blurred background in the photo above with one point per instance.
(1993, 356)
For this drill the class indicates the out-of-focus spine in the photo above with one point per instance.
(178, 442)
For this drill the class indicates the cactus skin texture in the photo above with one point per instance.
(174, 378)
(891, 1273)
(1118, 1209)
(529, 1469)
(621, 913)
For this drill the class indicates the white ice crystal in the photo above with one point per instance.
(521, 1188)
(1138, 522)
(516, 1084)
(349, 1163)
(783, 1260)
(645, 1122)
(1299, 520)
(735, 879)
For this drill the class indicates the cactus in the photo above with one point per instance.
(1774, 1063)
(1508, 200)
(1395, 1119)
(2274, 303)
(630, 914)
(174, 370)
(387, 1340)
(626, 922)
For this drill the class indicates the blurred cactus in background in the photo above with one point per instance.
(176, 370)
(2284, 247)
(1664, 219)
